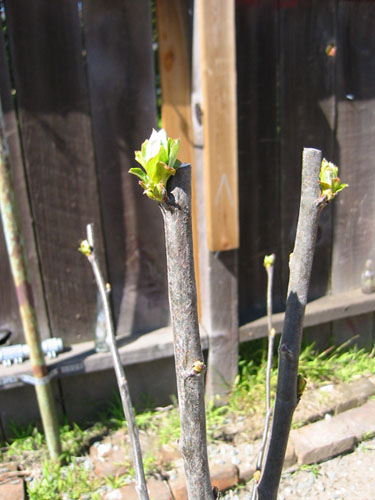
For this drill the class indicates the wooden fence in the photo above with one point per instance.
(78, 91)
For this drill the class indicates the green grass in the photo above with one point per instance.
(335, 364)
(247, 398)
(72, 478)
(313, 468)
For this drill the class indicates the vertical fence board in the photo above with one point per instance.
(122, 94)
(218, 271)
(354, 229)
(349, 328)
(175, 72)
(21, 194)
(9, 318)
(45, 42)
(307, 118)
(217, 34)
(258, 158)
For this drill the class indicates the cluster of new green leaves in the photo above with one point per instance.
(330, 183)
(158, 157)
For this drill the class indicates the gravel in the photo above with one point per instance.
(344, 477)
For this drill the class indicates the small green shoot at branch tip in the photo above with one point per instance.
(329, 180)
(85, 248)
(158, 157)
(269, 261)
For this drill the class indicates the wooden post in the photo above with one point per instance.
(175, 77)
(217, 36)
(218, 276)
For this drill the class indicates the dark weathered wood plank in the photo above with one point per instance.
(354, 228)
(307, 118)
(9, 318)
(46, 49)
(358, 328)
(321, 335)
(319, 311)
(122, 95)
(9, 311)
(258, 156)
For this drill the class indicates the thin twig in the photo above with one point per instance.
(104, 290)
(269, 265)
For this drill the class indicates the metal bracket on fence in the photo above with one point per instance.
(29, 379)
(19, 352)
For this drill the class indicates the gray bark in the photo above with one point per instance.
(187, 346)
(290, 343)
(122, 382)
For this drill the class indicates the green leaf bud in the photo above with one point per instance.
(85, 248)
(158, 157)
(329, 180)
(269, 261)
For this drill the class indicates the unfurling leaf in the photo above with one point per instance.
(329, 180)
(158, 157)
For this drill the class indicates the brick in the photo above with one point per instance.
(246, 471)
(109, 460)
(355, 394)
(157, 490)
(360, 421)
(7, 467)
(169, 453)
(322, 440)
(334, 398)
(247, 453)
(178, 485)
(13, 490)
(290, 455)
(224, 476)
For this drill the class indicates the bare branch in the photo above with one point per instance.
(290, 344)
(88, 248)
(269, 262)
